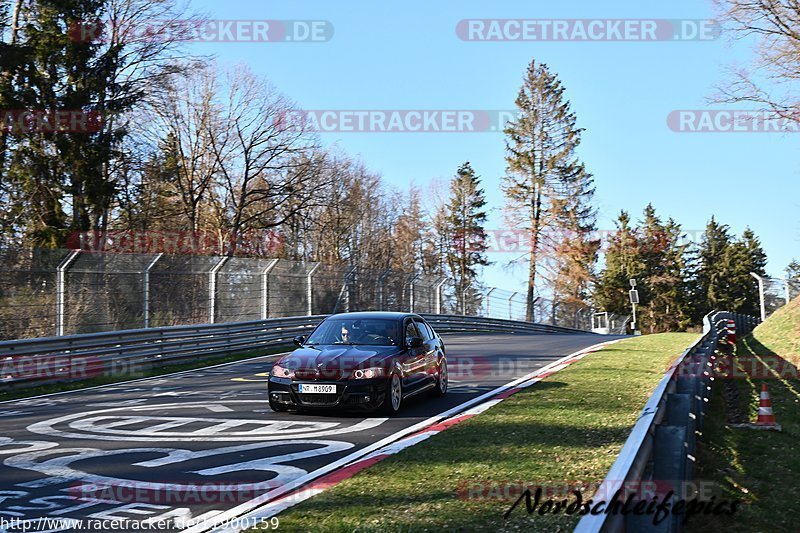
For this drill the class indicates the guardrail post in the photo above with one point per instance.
(212, 289)
(669, 465)
(680, 413)
(146, 290)
(308, 287)
(265, 289)
(61, 287)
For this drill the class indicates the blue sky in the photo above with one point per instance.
(407, 56)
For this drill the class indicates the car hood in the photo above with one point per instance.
(337, 360)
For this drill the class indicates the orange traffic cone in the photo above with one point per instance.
(765, 414)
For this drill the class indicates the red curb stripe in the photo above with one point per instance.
(506, 394)
(334, 478)
(441, 426)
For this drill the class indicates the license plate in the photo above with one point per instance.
(308, 388)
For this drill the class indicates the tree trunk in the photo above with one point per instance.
(535, 229)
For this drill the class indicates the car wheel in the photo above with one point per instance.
(277, 407)
(441, 379)
(394, 395)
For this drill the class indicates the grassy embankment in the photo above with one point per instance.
(759, 468)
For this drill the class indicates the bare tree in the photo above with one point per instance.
(769, 81)
(266, 164)
(187, 118)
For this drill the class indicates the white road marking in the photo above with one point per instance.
(109, 424)
(58, 468)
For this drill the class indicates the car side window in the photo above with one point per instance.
(411, 330)
(424, 329)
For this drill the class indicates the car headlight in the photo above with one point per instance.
(369, 373)
(281, 372)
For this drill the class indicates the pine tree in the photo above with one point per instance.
(465, 221)
(623, 261)
(793, 270)
(746, 257)
(724, 280)
(664, 307)
(543, 171)
(713, 257)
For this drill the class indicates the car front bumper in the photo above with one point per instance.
(361, 394)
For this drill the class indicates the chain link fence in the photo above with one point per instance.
(63, 292)
(778, 292)
(499, 303)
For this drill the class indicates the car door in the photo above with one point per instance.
(414, 363)
(430, 349)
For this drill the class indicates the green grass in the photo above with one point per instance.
(759, 468)
(19, 393)
(568, 428)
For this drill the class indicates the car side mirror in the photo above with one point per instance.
(415, 342)
(299, 340)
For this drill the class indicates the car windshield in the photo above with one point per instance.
(371, 332)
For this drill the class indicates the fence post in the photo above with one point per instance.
(761, 295)
(414, 278)
(786, 294)
(61, 282)
(212, 289)
(381, 279)
(308, 287)
(146, 290)
(509, 305)
(344, 293)
(439, 286)
(488, 296)
(265, 289)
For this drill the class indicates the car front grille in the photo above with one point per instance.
(318, 399)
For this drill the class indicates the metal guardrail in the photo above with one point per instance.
(31, 362)
(661, 446)
(459, 323)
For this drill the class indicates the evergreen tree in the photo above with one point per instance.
(663, 303)
(623, 261)
(724, 280)
(745, 256)
(465, 221)
(544, 178)
(793, 278)
(713, 256)
(68, 180)
(793, 270)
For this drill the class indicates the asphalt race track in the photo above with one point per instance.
(188, 446)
